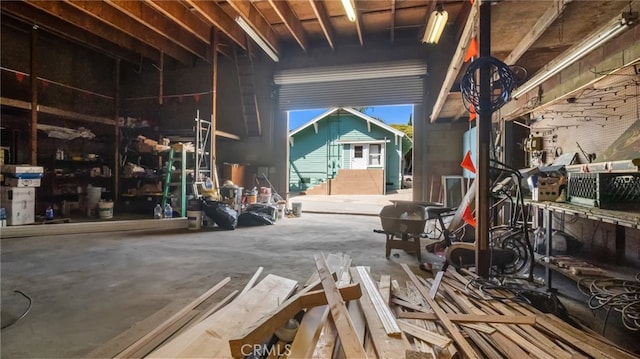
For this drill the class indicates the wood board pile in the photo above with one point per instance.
(343, 313)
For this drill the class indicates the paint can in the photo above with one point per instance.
(105, 209)
(194, 220)
(296, 207)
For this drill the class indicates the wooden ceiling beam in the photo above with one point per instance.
(178, 13)
(258, 23)
(543, 23)
(456, 61)
(29, 15)
(218, 18)
(88, 25)
(321, 14)
(358, 22)
(291, 21)
(114, 18)
(148, 16)
(393, 20)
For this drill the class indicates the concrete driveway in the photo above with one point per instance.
(349, 204)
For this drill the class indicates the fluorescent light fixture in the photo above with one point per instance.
(258, 40)
(578, 51)
(435, 26)
(348, 8)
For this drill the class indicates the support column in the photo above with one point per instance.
(33, 125)
(420, 150)
(280, 137)
(215, 40)
(483, 252)
(116, 135)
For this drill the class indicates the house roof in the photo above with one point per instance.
(353, 112)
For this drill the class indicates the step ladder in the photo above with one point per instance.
(167, 179)
(204, 161)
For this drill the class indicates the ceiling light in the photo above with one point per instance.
(258, 40)
(351, 12)
(435, 26)
(575, 53)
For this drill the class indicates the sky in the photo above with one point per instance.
(397, 114)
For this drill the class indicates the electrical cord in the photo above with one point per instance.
(615, 294)
(502, 83)
(23, 314)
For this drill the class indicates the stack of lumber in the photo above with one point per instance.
(342, 312)
(578, 266)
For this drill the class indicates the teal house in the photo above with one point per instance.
(344, 151)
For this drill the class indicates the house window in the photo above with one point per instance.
(375, 154)
(357, 151)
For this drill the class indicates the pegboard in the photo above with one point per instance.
(594, 117)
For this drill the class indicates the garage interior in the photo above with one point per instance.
(106, 98)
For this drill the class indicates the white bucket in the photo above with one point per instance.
(105, 209)
(93, 197)
(280, 210)
(194, 220)
(264, 198)
(296, 207)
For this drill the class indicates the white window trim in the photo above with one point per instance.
(366, 155)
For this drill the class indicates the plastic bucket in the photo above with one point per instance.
(93, 197)
(251, 198)
(194, 220)
(296, 207)
(105, 209)
(280, 210)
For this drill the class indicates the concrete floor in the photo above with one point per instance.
(87, 289)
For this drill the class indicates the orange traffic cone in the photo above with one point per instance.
(472, 50)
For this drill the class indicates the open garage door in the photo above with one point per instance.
(376, 84)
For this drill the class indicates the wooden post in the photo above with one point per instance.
(215, 42)
(483, 252)
(33, 125)
(116, 127)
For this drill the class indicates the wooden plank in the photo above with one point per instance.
(114, 346)
(473, 318)
(198, 341)
(384, 287)
(412, 306)
(385, 346)
(315, 325)
(442, 316)
(215, 307)
(423, 334)
(290, 20)
(145, 340)
(484, 345)
(464, 303)
(163, 336)
(323, 19)
(391, 327)
(279, 316)
(327, 341)
(252, 281)
(346, 332)
(579, 340)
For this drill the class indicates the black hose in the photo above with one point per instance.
(23, 314)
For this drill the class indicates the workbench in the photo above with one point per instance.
(619, 218)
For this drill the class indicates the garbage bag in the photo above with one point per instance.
(266, 209)
(255, 219)
(221, 214)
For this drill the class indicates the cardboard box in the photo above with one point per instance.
(22, 182)
(234, 172)
(19, 204)
(16, 169)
